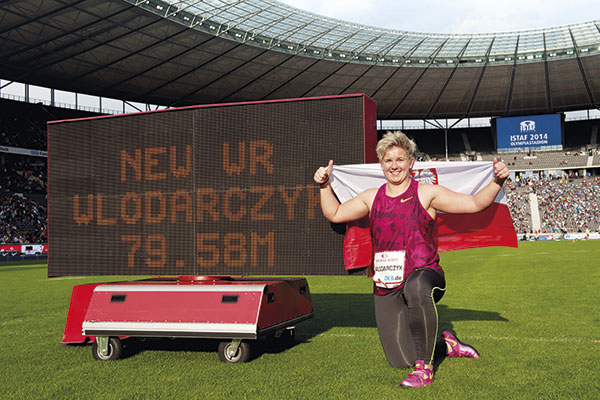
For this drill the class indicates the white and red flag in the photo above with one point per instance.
(491, 227)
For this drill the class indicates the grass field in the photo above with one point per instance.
(532, 312)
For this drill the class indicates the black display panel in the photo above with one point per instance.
(224, 189)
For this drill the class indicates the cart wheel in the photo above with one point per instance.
(115, 348)
(242, 354)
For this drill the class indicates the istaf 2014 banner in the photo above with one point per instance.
(534, 132)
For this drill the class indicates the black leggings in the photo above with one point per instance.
(407, 319)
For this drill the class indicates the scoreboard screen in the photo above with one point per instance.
(534, 132)
(207, 190)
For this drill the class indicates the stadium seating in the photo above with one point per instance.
(23, 178)
(535, 161)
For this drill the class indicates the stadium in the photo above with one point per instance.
(456, 95)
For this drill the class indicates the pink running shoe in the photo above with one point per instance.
(458, 349)
(420, 377)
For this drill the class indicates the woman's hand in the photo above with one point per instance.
(500, 171)
(322, 174)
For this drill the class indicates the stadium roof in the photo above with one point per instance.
(198, 52)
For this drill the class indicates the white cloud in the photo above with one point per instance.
(460, 16)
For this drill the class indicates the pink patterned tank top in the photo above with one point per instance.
(401, 223)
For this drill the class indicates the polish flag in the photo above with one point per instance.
(491, 227)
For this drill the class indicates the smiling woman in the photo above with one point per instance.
(408, 279)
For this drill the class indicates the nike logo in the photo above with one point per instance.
(404, 200)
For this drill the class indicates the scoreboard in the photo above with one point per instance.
(219, 189)
(533, 132)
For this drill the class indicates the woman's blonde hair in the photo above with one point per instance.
(395, 139)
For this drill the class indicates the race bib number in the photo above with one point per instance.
(388, 267)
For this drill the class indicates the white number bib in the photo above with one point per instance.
(389, 269)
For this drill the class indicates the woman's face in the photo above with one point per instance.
(396, 165)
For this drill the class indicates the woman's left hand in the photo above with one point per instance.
(500, 171)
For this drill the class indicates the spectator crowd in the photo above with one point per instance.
(22, 199)
(22, 220)
(22, 178)
(517, 198)
(568, 205)
(565, 204)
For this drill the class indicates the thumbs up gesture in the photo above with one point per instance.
(322, 174)
(501, 171)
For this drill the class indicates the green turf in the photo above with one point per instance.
(532, 312)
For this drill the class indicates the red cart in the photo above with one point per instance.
(236, 310)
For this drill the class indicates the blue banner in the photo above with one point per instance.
(534, 132)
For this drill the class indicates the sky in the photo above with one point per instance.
(458, 16)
